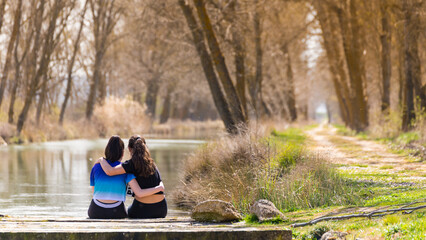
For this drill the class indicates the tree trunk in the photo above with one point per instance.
(102, 87)
(71, 66)
(240, 71)
(240, 76)
(256, 87)
(2, 11)
(15, 86)
(165, 114)
(206, 62)
(151, 97)
(10, 48)
(385, 40)
(44, 62)
(238, 44)
(257, 81)
(327, 107)
(400, 31)
(30, 93)
(411, 68)
(18, 63)
(353, 49)
(94, 85)
(413, 51)
(13, 93)
(219, 61)
(105, 16)
(291, 98)
(41, 98)
(335, 62)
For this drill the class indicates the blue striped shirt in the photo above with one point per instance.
(109, 187)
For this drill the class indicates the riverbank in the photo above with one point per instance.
(311, 172)
(118, 116)
(82, 129)
(272, 165)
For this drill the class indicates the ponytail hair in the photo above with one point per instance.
(141, 158)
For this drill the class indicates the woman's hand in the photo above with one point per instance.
(140, 193)
(98, 161)
(161, 187)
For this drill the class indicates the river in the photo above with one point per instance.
(52, 178)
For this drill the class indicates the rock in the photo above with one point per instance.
(334, 235)
(215, 211)
(265, 210)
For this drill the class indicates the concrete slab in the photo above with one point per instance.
(168, 228)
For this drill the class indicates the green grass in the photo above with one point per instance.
(408, 137)
(343, 130)
(398, 226)
(290, 135)
(253, 220)
(376, 188)
(360, 165)
(304, 186)
(310, 127)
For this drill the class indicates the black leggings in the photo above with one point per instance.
(148, 210)
(97, 212)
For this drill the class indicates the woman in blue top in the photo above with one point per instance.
(109, 192)
(147, 175)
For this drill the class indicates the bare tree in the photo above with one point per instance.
(71, 64)
(18, 62)
(219, 62)
(10, 47)
(105, 17)
(2, 11)
(207, 64)
(47, 50)
(385, 40)
(412, 71)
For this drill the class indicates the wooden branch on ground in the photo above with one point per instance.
(377, 213)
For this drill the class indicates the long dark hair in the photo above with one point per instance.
(141, 158)
(114, 149)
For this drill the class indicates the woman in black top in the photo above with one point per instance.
(147, 175)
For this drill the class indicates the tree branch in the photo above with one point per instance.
(377, 213)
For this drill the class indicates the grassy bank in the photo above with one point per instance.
(384, 183)
(275, 166)
(279, 167)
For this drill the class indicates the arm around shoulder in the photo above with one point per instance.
(145, 192)
(111, 171)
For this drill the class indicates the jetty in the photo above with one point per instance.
(178, 228)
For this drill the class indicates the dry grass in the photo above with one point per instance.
(188, 128)
(243, 169)
(117, 116)
(121, 116)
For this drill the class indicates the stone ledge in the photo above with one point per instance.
(179, 228)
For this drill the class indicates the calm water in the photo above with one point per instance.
(52, 179)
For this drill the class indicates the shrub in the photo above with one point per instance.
(120, 116)
(242, 169)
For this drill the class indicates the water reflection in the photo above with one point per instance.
(52, 179)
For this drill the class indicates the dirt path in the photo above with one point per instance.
(354, 153)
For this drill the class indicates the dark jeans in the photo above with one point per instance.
(97, 212)
(148, 210)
